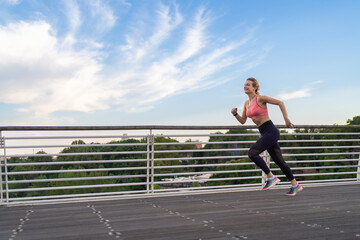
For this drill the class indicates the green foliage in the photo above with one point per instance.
(354, 121)
(195, 184)
(235, 175)
(40, 159)
(224, 138)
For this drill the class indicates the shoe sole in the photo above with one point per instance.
(293, 195)
(276, 182)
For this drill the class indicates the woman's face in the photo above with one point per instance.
(248, 87)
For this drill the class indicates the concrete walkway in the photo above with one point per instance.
(331, 212)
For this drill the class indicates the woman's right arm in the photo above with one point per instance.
(243, 117)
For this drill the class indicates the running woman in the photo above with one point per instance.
(256, 109)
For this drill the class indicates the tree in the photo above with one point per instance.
(40, 159)
(354, 121)
(234, 175)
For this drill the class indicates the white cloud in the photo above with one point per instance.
(104, 15)
(296, 94)
(73, 16)
(11, 2)
(190, 66)
(125, 3)
(36, 72)
(45, 74)
(195, 38)
(139, 47)
(318, 82)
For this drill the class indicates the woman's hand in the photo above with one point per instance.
(288, 123)
(234, 111)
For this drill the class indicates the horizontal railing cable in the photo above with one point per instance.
(79, 195)
(76, 179)
(76, 162)
(161, 127)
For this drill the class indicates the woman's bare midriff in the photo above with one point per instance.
(261, 120)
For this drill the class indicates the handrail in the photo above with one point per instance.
(156, 127)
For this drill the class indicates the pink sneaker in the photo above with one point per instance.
(270, 183)
(294, 190)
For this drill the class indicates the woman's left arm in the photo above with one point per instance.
(265, 99)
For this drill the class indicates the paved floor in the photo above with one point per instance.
(331, 212)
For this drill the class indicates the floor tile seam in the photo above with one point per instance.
(106, 222)
(207, 223)
(283, 218)
(215, 210)
(313, 224)
(23, 220)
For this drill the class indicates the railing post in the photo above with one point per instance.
(148, 164)
(358, 170)
(3, 157)
(151, 142)
(266, 158)
(1, 166)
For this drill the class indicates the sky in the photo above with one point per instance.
(142, 62)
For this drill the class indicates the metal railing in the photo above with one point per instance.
(55, 164)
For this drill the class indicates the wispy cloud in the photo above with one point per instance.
(173, 55)
(302, 93)
(10, 2)
(190, 65)
(74, 19)
(104, 15)
(318, 82)
(140, 47)
(73, 16)
(125, 3)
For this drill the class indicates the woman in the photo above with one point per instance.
(256, 109)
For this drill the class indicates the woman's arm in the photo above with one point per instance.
(242, 119)
(264, 99)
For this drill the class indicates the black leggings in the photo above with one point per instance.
(269, 141)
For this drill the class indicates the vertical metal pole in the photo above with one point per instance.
(152, 160)
(266, 158)
(6, 173)
(5, 167)
(1, 164)
(147, 163)
(358, 170)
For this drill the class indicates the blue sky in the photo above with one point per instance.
(176, 62)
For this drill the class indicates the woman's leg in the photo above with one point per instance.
(277, 157)
(260, 146)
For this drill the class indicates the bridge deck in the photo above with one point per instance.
(331, 212)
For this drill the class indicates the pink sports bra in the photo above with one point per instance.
(256, 111)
